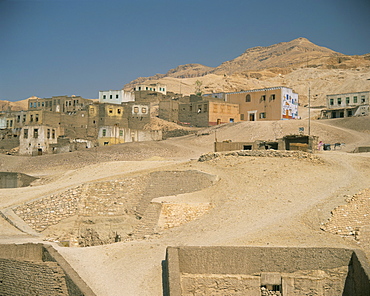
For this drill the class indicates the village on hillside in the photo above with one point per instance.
(68, 123)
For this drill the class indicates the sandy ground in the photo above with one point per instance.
(257, 201)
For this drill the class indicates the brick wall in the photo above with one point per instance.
(31, 278)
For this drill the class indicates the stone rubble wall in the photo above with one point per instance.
(50, 210)
(108, 198)
(173, 215)
(262, 153)
(353, 218)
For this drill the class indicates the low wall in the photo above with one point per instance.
(15, 180)
(296, 269)
(37, 269)
(362, 149)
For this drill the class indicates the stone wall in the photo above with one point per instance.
(31, 278)
(176, 214)
(113, 203)
(36, 269)
(352, 218)
(248, 270)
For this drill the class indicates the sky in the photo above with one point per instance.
(78, 47)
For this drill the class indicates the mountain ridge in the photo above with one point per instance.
(298, 64)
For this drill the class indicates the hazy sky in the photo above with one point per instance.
(78, 47)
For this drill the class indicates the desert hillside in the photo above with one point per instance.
(274, 199)
(298, 64)
(14, 106)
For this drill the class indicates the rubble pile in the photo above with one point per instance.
(262, 153)
(351, 219)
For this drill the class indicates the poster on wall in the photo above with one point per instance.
(290, 106)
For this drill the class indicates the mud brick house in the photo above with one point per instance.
(346, 105)
(116, 96)
(273, 103)
(59, 103)
(157, 87)
(208, 112)
(63, 124)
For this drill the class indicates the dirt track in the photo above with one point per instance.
(257, 200)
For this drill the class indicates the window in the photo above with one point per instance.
(34, 105)
(18, 118)
(242, 118)
(190, 108)
(263, 98)
(37, 118)
(272, 97)
(347, 100)
(118, 111)
(31, 105)
(116, 96)
(53, 134)
(38, 104)
(48, 133)
(110, 96)
(355, 99)
(104, 132)
(25, 133)
(11, 123)
(104, 97)
(362, 99)
(136, 110)
(31, 118)
(331, 101)
(110, 111)
(199, 108)
(36, 133)
(43, 104)
(248, 98)
(339, 101)
(121, 133)
(143, 110)
(24, 118)
(263, 115)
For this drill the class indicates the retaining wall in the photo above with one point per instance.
(37, 269)
(243, 271)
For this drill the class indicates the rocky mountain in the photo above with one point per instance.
(298, 64)
(14, 106)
